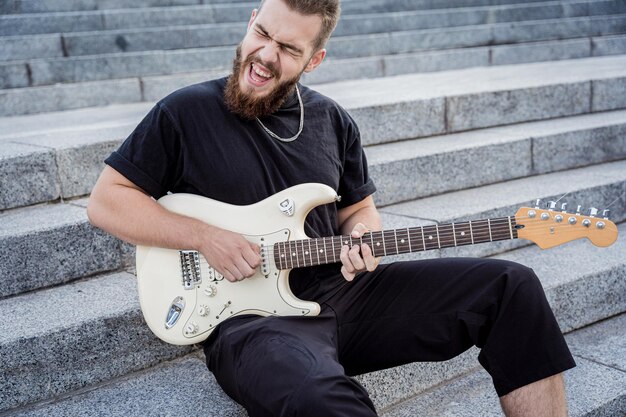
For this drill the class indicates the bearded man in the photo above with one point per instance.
(246, 137)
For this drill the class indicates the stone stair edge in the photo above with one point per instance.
(341, 38)
(610, 70)
(253, 4)
(87, 149)
(10, 11)
(63, 227)
(220, 404)
(595, 387)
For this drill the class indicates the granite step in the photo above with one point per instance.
(596, 387)
(193, 32)
(342, 69)
(50, 6)
(61, 339)
(116, 65)
(52, 244)
(184, 384)
(600, 186)
(348, 6)
(56, 158)
(571, 85)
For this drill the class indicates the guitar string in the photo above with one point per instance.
(500, 228)
(444, 234)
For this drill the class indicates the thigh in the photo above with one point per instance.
(429, 310)
(284, 366)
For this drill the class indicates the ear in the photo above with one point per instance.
(315, 60)
(255, 13)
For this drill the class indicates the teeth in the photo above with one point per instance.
(261, 72)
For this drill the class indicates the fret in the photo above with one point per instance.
(430, 234)
(286, 253)
(384, 244)
(317, 251)
(471, 232)
(408, 237)
(423, 240)
(405, 243)
(510, 228)
(454, 234)
(501, 229)
(325, 250)
(278, 255)
(420, 239)
(332, 241)
(445, 234)
(438, 240)
(395, 239)
(310, 255)
(463, 234)
(372, 243)
(480, 231)
(489, 223)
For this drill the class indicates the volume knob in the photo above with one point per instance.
(191, 328)
(203, 310)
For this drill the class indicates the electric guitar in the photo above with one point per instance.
(183, 298)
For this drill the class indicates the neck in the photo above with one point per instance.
(320, 251)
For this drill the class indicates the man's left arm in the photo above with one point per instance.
(355, 220)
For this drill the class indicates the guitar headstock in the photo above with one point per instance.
(548, 227)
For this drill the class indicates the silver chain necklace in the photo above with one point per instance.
(294, 137)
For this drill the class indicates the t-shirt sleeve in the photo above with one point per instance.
(355, 183)
(151, 156)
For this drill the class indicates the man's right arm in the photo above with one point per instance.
(121, 208)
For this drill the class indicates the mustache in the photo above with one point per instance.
(271, 67)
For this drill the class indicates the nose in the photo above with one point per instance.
(269, 52)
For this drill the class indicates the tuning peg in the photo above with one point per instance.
(552, 205)
(578, 209)
(538, 203)
(564, 207)
(593, 211)
(606, 213)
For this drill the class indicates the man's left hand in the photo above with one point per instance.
(357, 258)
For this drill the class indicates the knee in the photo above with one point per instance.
(328, 391)
(520, 278)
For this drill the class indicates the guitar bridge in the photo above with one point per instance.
(190, 268)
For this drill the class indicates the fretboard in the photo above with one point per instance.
(326, 250)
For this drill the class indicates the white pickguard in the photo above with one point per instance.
(207, 303)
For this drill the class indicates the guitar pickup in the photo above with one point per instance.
(190, 268)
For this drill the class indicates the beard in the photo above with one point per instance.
(245, 104)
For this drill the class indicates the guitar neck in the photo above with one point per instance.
(320, 251)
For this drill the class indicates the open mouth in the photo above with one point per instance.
(259, 75)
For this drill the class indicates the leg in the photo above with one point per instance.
(285, 366)
(436, 309)
(544, 398)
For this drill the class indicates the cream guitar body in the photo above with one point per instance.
(183, 298)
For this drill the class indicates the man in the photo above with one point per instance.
(244, 138)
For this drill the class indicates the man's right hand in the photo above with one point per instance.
(123, 209)
(230, 254)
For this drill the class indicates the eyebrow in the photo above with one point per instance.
(286, 45)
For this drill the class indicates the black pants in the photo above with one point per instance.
(430, 310)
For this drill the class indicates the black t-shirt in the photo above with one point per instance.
(191, 143)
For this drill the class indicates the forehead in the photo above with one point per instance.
(289, 26)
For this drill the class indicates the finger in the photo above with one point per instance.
(359, 229)
(228, 275)
(251, 257)
(368, 257)
(345, 259)
(349, 276)
(355, 258)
